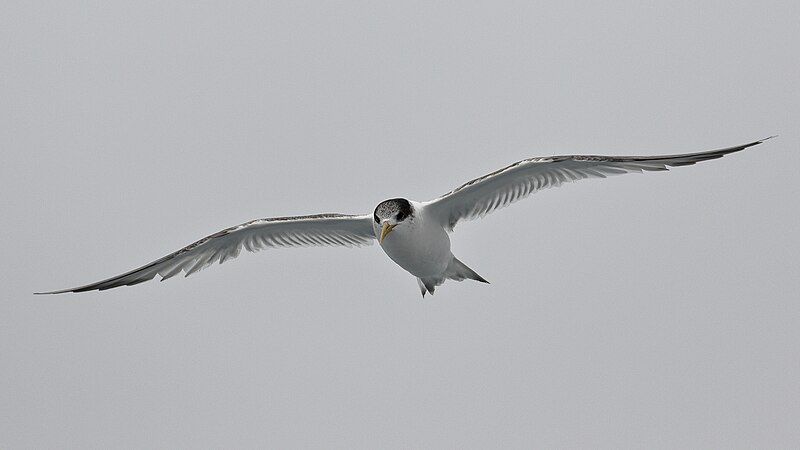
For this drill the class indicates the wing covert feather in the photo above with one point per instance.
(498, 189)
(297, 231)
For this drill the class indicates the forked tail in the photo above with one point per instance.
(456, 270)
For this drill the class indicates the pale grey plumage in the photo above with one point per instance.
(498, 189)
(298, 231)
(418, 242)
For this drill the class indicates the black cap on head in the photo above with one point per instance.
(398, 208)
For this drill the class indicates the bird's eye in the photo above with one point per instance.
(400, 216)
(375, 216)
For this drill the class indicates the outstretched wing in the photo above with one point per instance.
(321, 229)
(517, 181)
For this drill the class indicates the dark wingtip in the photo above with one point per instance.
(761, 140)
(53, 292)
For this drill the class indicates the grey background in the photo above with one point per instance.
(645, 311)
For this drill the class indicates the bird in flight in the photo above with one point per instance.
(413, 234)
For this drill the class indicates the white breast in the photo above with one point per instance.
(420, 246)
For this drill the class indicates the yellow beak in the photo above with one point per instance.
(385, 230)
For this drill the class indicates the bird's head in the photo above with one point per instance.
(391, 213)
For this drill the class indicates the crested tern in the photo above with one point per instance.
(413, 234)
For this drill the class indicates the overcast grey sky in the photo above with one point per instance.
(643, 311)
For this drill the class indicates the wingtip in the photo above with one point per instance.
(52, 292)
(751, 144)
(763, 140)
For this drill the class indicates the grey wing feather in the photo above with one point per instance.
(498, 189)
(314, 230)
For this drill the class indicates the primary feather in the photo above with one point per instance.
(498, 189)
(419, 242)
(298, 231)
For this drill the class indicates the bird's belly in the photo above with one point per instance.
(422, 256)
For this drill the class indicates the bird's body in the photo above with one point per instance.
(420, 245)
(413, 234)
